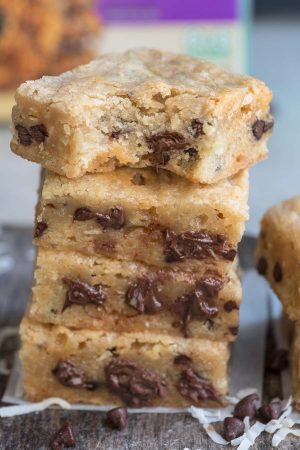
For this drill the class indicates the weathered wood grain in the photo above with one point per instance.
(144, 431)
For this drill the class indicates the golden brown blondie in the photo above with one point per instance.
(136, 369)
(144, 108)
(143, 215)
(104, 294)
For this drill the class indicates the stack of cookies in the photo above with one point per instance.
(142, 204)
(278, 260)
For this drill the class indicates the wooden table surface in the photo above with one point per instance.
(144, 431)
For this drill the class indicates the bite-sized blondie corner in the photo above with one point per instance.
(137, 369)
(78, 291)
(144, 108)
(278, 253)
(143, 215)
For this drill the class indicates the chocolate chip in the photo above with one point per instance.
(138, 179)
(115, 134)
(68, 375)
(117, 418)
(260, 127)
(63, 438)
(81, 293)
(262, 266)
(198, 245)
(278, 360)
(23, 135)
(199, 304)
(277, 273)
(196, 388)
(38, 133)
(182, 360)
(234, 330)
(136, 386)
(192, 152)
(83, 214)
(246, 407)
(114, 219)
(164, 144)
(270, 411)
(233, 428)
(40, 228)
(230, 306)
(142, 295)
(197, 128)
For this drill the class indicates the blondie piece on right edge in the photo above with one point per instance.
(136, 369)
(278, 253)
(144, 108)
(157, 218)
(104, 294)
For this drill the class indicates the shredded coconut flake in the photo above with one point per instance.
(18, 410)
(281, 434)
(216, 437)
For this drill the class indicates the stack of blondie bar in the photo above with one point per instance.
(142, 203)
(278, 260)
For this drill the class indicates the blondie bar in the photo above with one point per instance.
(144, 108)
(143, 215)
(295, 365)
(137, 369)
(99, 293)
(278, 253)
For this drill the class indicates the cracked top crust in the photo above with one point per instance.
(138, 74)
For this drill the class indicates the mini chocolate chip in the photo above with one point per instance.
(117, 418)
(114, 219)
(192, 152)
(69, 375)
(246, 407)
(81, 293)
(135, 385)
(198, 245)
(182, 360)
(83, 214)
(63, 438)
(23, 135)
(142, 295)
(234, 330)
(271, 410)
(200, 304)
(230, 306)
(164, 144)
(40, 228)
(196, 388)
(233, 428)
(197, 128)
(262, 266)
(115, 134)
(278, 360)
(138, 179)
(38, 133)
(260, 127)
(277, 273)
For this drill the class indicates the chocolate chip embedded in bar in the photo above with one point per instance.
(81, 293)
(117, 418)
(107, 294)
(71, 376)
(63, 438)
(160, 219)
(196, 245)
(126, 368)
(172, 113)
(135, 385)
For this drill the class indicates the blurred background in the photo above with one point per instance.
(261, 38)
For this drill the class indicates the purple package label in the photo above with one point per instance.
(168, 10)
